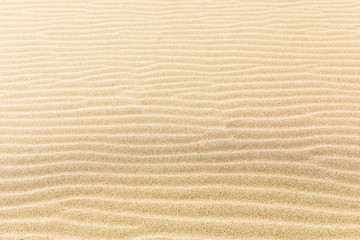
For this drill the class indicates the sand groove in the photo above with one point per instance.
(180, 120)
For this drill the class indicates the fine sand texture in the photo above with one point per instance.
(180, 120)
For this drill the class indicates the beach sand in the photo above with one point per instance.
(180, 120)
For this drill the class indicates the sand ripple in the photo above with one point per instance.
(180, 120)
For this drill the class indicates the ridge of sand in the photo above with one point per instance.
(180, 120)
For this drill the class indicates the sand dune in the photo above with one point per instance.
(180, 120)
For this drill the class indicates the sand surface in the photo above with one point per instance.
(180, 120)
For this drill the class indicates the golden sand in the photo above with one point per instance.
(180, 120)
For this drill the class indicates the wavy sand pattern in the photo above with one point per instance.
(180, 120)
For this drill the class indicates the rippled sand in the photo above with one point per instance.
(180, 120)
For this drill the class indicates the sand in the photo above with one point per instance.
(180, 120)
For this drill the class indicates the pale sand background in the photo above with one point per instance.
(180, 120)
